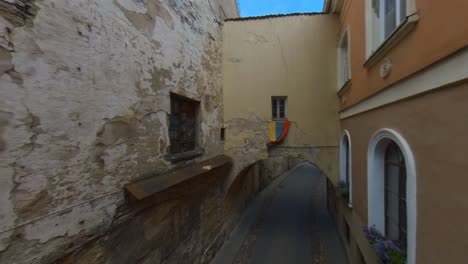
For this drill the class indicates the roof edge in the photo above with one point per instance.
(275, 16)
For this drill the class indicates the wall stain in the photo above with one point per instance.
(146, 22)
(5, 118)
(127, 145)
(116, 131)
(19, 12)
(37, 206)
(5, 61)
(32, 122)
(159, 76)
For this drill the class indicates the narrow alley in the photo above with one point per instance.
(233, 132)
(293, 226)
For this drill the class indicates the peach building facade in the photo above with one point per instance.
(402, 87)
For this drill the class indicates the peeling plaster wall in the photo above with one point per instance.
(84, 105)
(293, 56)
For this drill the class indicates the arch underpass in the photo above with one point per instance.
(292, 224)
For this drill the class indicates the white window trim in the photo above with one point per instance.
(399, 19)
(277, 98)
(375, 186)
(410, 9)
(343, 164)
(341, 81)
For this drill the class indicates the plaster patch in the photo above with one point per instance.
(145, 22)
(31, 196)
(159, 77)
(37, 206)
(18, 12)
(116, 131)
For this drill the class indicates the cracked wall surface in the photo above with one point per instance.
(84, 104)
(293, 56)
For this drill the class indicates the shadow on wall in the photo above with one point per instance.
(240, 193)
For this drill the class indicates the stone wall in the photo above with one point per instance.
(84, 104)
(183, 224)
(240, 193)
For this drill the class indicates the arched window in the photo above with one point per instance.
(395, 194)
(346, 151)
(345, 167)
(391, 189)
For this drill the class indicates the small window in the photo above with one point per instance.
(278, 107)
(223, 134)
(343, 55)
(183, 124)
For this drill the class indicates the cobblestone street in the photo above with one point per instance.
(294, 225)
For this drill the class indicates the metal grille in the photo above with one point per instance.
(182, 127)
(278, 107)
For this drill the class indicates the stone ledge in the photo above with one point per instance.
(155, 184)
(184, 156)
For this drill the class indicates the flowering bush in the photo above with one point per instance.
(388, 251)
(343, 190)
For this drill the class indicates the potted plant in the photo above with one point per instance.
(388, 251)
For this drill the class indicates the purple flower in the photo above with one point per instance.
(388, 251)
(392, 245)
(381, 250)
(372, 234)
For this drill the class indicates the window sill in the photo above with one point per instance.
(406, 27)
(185, 155)
(344, 88)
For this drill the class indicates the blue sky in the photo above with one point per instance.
(268, 7)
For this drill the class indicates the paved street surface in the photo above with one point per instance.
(294, 226)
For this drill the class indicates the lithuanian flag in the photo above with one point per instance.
(277, 131)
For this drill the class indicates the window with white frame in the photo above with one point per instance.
(278, 107)
(343, 56)
(384, 18)
(391, 190)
